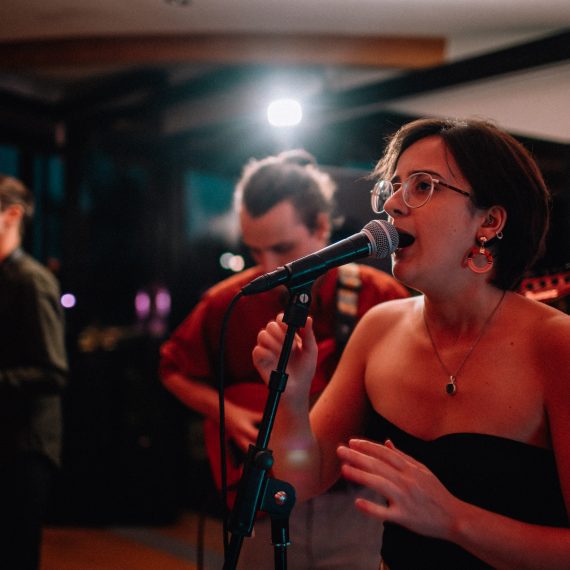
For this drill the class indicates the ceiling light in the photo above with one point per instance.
(284, 113)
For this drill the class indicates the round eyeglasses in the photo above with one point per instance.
(416, 191)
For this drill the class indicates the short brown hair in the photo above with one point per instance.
(291, 175)
(501, 172)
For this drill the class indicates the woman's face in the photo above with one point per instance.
(445, 228)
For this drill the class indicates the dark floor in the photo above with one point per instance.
(170, 547)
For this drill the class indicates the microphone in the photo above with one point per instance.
(377, 238)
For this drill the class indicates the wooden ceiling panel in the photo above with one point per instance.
(384, 52)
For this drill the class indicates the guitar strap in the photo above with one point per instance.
(347, 290)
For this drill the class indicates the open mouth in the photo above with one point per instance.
(405, 240)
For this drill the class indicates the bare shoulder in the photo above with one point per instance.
(551, 337)
(549, 332)
(388, 315)
(555, 354)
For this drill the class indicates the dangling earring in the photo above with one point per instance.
(480, 259)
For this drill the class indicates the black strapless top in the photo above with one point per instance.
(501, 475)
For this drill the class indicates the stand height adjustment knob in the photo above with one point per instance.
(281, 497)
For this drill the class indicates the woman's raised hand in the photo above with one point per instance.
(302, 361)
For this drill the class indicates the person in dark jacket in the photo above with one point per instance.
(33, 371)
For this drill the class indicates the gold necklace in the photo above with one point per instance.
(451, 386)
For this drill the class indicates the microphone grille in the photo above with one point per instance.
(384, 237)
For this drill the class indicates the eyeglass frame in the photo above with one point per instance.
(434, 181)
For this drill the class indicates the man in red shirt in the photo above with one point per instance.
(285, 207)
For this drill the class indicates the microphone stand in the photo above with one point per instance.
(257, 491)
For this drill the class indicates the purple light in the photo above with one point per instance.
(68, 300)
(162, 301)
(142, 304)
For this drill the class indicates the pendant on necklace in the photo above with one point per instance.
(450, 387)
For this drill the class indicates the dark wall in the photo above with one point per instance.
(122, 225)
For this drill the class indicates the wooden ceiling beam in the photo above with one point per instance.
(385, 52)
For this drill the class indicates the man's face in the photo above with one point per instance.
(10, 220)
(279, 236)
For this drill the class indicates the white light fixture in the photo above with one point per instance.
(284, 113)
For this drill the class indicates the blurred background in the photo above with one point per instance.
(131, 122)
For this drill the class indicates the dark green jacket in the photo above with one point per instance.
(33, 361)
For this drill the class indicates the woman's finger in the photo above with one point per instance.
(373, 509)
(387, 452)
(363, 449)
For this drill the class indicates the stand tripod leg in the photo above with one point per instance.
(280, 541)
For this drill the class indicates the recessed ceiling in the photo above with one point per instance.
(49, 49)
(36, 19)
